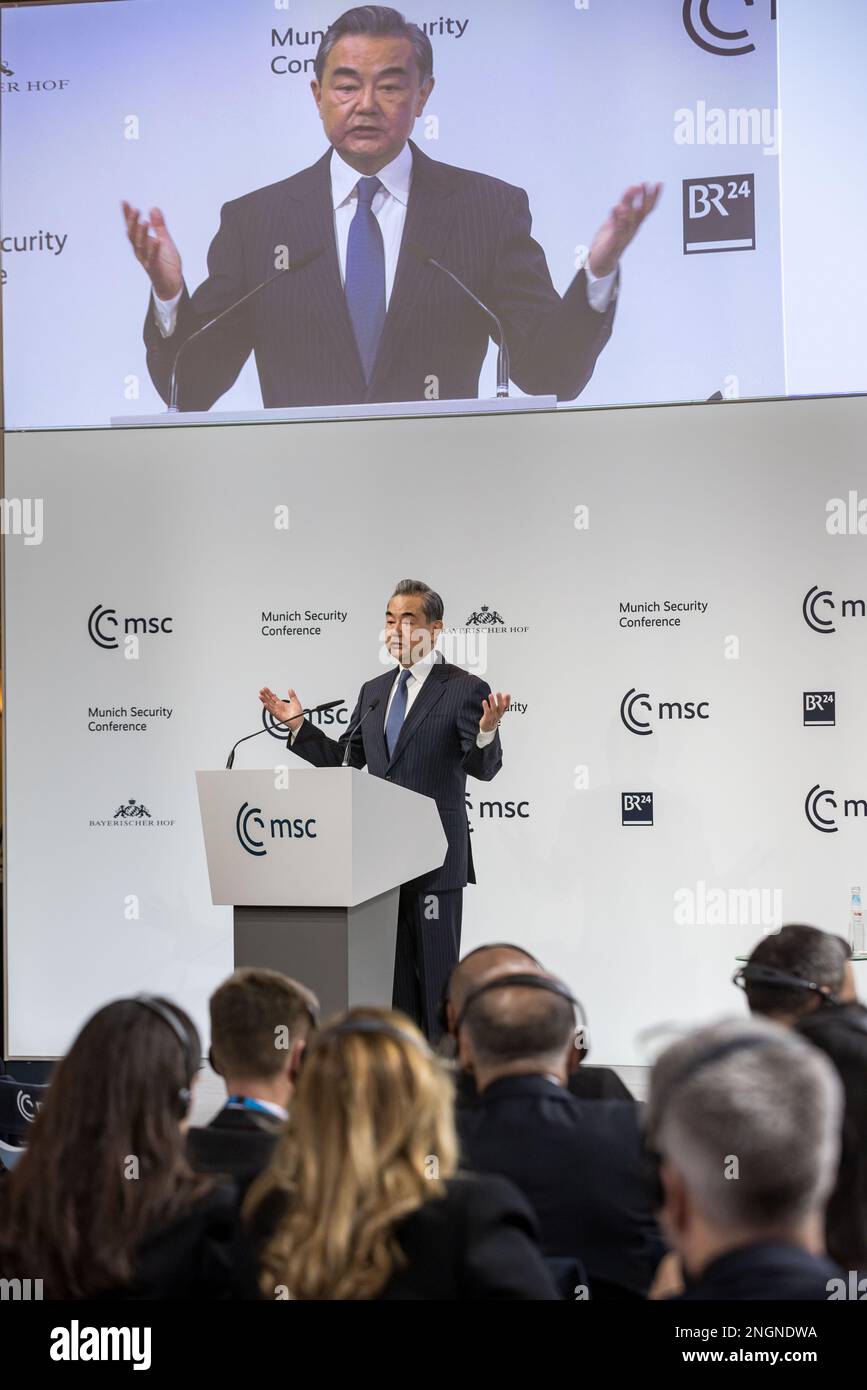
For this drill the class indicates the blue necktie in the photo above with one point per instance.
(397, 712)
(365, 275)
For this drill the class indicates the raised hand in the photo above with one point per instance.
(157, 253)
(288, 711)
(620, 226)
(493, 707)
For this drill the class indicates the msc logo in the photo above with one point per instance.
(818, 603)
(103, 626)
(719, 214)
(636, 808)
(727, 43)
(27, 1107)
(635, 701)
(340, 715)
(279, 828)
(820, 709)
(819, 800)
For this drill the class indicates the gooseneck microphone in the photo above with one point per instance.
(300, 264)
(354, 730)
(503, 364)
(316, 709)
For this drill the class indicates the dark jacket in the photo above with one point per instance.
(585, 1083)
(581, 1166)
(764, 1271)
(435, 752)
(299, 327)
(477, 1242)
(236, 1142)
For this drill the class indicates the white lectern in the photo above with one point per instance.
(312, 867)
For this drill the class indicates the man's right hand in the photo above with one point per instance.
(284, 711)
(158, 253)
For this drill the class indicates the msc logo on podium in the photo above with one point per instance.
(249, 820)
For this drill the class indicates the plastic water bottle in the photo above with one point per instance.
(856, 924)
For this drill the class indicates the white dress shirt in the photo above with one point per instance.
(389, 208)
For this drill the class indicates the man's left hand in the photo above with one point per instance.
(494, 707)
(621, 225)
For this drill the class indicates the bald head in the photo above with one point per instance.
(496, 959)
(518, 1028)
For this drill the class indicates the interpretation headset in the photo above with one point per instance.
(188, 1047)
(442, 1012)
(680, 1078)
(550, 984)
(374, 1025)
(755, 974)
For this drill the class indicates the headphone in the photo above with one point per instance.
(546, 982)
(755, 974)
(445, 999)
(375, 1025)
(680, 1078)
(168, 1015)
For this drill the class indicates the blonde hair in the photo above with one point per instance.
(370, 1138)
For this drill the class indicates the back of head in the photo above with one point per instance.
(815, 956)
(509, 1020)
(369, 1139)
(256, 1016)
(106, 1162)
(491, 958)
(842, 1035)
(749, 1115)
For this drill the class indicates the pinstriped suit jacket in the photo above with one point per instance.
(435, 752)
(299, 328)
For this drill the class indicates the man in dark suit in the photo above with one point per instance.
(260, 1023)
(579, 1163)
(744, 1118)
(500, 957)
(434, 724)
(368, 318)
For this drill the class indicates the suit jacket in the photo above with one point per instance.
(581, 1166)
(434, 753)
(766, 1270)
(586, 1083)
(236, 1142)
(477, 1242)
(299, 327)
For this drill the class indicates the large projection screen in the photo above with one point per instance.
(671, 596)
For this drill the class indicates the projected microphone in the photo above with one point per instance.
(503, 365)
(370, 708)
(300, 264)
(317, 709)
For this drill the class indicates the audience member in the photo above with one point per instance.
(796, 970)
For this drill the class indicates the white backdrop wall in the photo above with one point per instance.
(723, 506)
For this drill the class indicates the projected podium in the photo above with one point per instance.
(313, 871)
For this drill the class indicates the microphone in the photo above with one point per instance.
(317, 709)
(503, 364)
(300, 264)
(370, 708)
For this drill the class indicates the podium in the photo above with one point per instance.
(312, 868)
(493, 405)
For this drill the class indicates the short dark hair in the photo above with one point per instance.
(799, 950)
(503, 1026)
(430, 600)
(247, 1009)
(376, 21)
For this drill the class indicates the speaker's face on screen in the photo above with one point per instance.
(369, 98)
(408, 634)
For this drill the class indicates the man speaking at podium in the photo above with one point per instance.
(360, 314)
(430, 724)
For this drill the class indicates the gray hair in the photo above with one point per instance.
(755, 1129)
(430, 599)
(376, 21)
